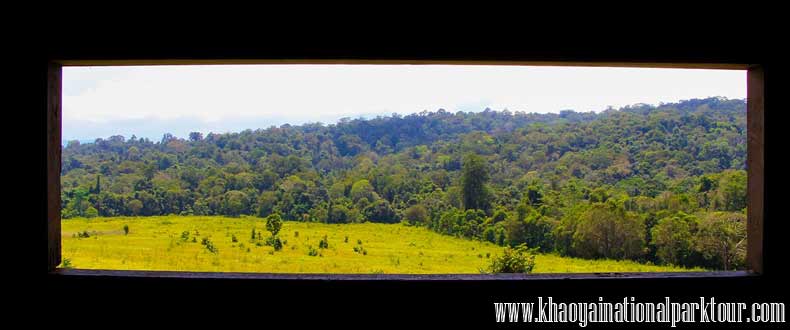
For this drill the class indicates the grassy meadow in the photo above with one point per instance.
(160, 243)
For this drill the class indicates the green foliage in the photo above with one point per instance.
(502, 177)
(126, 229)
(673, 238)
(360, 249)
(474, 176)
(91, 212)
(324, 243)
(274, 223)
(416, 214)
(362, 189)
(276, 243)
(381, 211)
(519, 259)
(339, 214)
(721, 239)
(608, 231)
(209, 245)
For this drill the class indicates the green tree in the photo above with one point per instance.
(234, 203)
(267, 203)
(732, 191)
(608, 231)
(474, 175)
(721, 238)
(416, 214)
(673, 238)
(338, 213)
(274, 223)
(381, 211)
(363, 189)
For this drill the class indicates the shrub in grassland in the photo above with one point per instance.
(513, 260)
(277, 244)
(324, 243)
(209, 245)
(126, 229)
(361, 250)
(274, 223)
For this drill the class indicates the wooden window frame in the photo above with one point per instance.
(754, 164)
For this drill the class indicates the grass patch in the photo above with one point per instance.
(387, 248)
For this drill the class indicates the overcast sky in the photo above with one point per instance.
(149, 101)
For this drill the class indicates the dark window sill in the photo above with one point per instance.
(395, 277)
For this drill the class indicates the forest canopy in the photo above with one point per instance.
(664, 184)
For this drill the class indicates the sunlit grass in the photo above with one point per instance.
(155, 243)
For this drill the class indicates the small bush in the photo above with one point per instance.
(126, 229)
(296, 233)
(194, 240)
(514, 260)
(233, 238)
(67, 263)
(277, 244)
(324, 243)
(359, 241)
(361, 250)
(311, 251)
(345, 240)
(185, 236)
(209, 245)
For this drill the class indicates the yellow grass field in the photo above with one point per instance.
(159, 243)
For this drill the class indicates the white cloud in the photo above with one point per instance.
(100, 101)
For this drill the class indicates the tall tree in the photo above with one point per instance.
(474, 176)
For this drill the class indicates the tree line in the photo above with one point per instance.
(664, 184)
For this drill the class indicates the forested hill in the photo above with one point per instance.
(686, 156)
